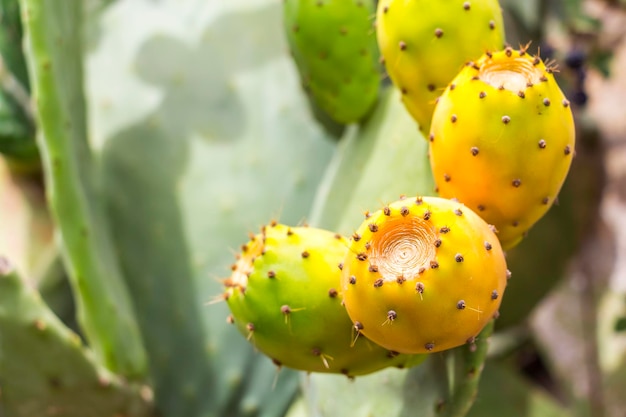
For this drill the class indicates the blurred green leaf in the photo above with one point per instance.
(504, 392)
(44, 368)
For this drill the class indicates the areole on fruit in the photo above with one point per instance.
(423, 275)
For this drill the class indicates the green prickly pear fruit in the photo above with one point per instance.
(284, 296)
(425, 43)
(334, 47)
(423, 275)
(502, 141)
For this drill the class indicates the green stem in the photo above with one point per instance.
(468, 362)
(54, 56)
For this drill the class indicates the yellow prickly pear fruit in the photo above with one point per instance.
(285, 298)
(502, 141)
(423, 275)
(425, 43)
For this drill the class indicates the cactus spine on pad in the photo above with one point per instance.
(334, 46)
(423, 275)
(502, 140)
(425, 43)
(284, 295)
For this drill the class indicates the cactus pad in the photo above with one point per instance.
(334, 47)
(425, 43)
(502, 141)
(422, 275)
(45, 370)
(284, 297)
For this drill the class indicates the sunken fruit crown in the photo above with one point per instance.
(423, 275)
(502, 140)
(284, 298)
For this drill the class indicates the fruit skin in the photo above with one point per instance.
(284, 295)
(503, 143)
(334, 47)
(425, 43)
(423, 275)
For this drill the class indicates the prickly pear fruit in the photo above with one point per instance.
(284, 296)
(423, 275)
(502, 141)
(425, 43)
(334, 46)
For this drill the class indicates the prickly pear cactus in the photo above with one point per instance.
(285, 298)
(425, 43)
(334, 47)
(502, 140)
(423, 275)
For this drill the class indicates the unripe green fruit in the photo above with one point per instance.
(425, 43)
(423, 275)
(284, 295)
(502, 141)
(334, 46)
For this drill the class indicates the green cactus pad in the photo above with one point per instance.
(334, 46)
(45, 369)
(423, 275)
(425, 43)
(285, 299)
(105, 309)
(502, 141)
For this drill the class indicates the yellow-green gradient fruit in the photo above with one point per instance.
(334, 47)
(284, 296)
(502, 141)
(423, 275)
(425, 43)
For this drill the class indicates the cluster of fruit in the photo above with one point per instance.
(422, 274)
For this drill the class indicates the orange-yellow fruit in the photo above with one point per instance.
(423, 275)
(502, 141)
